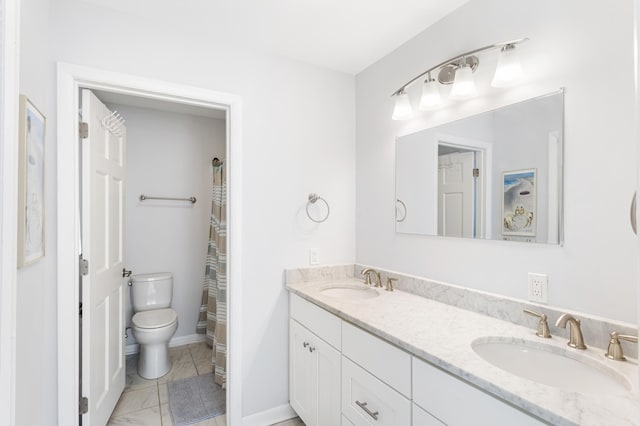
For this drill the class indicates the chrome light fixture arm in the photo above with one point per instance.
(457, 59)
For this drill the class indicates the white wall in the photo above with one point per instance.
(298, 137)
(570, 43)
(36, 358)
(169, 155)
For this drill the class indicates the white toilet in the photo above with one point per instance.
(153, 323)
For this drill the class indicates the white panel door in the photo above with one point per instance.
(456, 200)
(103, 362)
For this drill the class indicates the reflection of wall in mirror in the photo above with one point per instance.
(416, 183)
(523, 144)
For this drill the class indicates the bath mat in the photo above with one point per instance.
(195, 399)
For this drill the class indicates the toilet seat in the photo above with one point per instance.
(156, 318)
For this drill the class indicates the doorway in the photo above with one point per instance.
(464, 186)
(70, 80)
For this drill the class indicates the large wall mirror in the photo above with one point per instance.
(495, 175)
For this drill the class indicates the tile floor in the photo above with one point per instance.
(145, 402)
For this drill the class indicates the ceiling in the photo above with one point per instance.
(343, 35)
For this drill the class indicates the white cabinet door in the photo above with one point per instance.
(314, 377)
(303, 373)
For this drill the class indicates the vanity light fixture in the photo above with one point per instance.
(459, 72)
(509, 69)
(402, 110)
(463, 84)
(431, 98)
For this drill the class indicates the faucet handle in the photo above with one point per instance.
(543, 326)
(614, 351)
(390, 283)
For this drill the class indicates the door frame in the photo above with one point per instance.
(485, 190)
(9, 93)
(71, 78)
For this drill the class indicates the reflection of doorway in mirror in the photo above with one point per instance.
(457, 195)
(462, 184)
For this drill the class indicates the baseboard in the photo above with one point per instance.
(270, 416)
(176, 341)
(185, 340)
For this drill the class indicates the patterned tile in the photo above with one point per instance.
(162, 393)
(180, 370)
(136, 400)
(204, 366)
(179, 354)
(165, 414)
(145, 417)
(133, 381)
(200, 351)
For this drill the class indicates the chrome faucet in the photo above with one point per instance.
(575, 334)
(367, 273)
(614, 351)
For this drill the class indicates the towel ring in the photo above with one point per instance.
(312, 200)
(403, 210)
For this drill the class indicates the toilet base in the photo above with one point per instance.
(153, 360)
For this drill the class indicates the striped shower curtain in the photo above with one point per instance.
(213, 309)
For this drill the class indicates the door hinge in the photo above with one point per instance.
(84, 130)
(476, 173)
(84, 266)
(84, 405)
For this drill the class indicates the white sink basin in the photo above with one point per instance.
(550, 365)
(349, 291)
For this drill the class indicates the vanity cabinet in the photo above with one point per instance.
(314, 364)
(340, 374)
(455, 402)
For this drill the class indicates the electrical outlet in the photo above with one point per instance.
(538, 287)
(314, 256)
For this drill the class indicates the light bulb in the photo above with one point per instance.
(463, 85)
(509, 69)
(430, 95)
(402, 110)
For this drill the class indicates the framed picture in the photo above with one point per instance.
(519, 214)
(31, 151)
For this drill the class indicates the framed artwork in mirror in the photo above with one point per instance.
(31, 149)
(519, 215)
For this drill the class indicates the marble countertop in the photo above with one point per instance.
(443, 334)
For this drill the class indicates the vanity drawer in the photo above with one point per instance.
(456, 402)
(325, 325)
(422, 418)
(385, 361)
(346, 422)
(368, 401)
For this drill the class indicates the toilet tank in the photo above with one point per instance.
(151, 291)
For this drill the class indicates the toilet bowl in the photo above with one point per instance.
(153, 330)
(154, 322)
